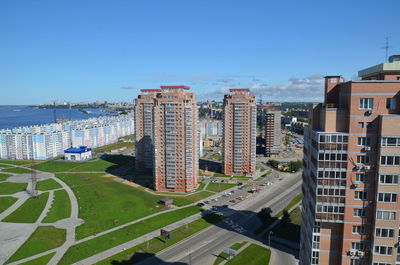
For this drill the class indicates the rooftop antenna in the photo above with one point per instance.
(387, 47)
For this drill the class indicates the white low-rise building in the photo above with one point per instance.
(78, 154)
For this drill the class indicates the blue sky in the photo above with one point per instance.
(107, 50)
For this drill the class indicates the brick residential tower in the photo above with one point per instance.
(351, 204)
(239, 137)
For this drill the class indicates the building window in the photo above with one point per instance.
(362, 177)
(387, 197)
(363, 159)
(360, 195)
(366, 103)
(360, 125)
(388, 179)
(383, 250)
(390, 141)
(315, 258)
(385, 215)
(390, 160)
(391, 103)
(381, 263)
(359, 212)
(384, 232)
(364, 141)
(358, 229)
(355, 262)
(357, 246)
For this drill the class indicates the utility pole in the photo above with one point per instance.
(34, 191)
(269, 237)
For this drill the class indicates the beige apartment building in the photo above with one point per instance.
(239, 133)
(176, 161)
(272, 133)
(351, 206)
(144, 120)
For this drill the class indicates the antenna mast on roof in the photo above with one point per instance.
(387, 47)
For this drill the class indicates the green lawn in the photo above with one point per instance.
(48, 184)
(44, 238)
(220, 175)
(4, 176)
(28, 212)
(15, 162)
(57, 166)
(11, 187)
(181, 201)
(101, 243)
(97, 165)
(292, 203)
(60, 209)
(4, 166)
(6, 202)
(105, 203)
(17, 170)
(201, 186)
(218, 187)
(39, 261)
(252, 255)
(156, 245)
(108, 148)
(223, 256)
(291, 230)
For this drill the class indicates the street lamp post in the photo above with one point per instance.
(190, 256)
(269, 237)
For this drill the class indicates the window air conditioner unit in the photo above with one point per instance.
(360, 253)
(368, 112)
(367, 167)
(351, 253)
(367, 148)
(357, 167)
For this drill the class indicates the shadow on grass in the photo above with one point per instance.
(140, 256)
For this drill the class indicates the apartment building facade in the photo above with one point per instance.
(351, 206)
(144, 121)
(239, 137)
(272, 133)
(175, 140)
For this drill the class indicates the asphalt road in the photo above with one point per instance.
(202, 248)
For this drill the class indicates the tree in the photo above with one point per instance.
(285, 217)
(265, 215)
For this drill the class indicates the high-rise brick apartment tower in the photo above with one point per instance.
(175, 140)
(144, 128)
(239, 138)
(351, 204)
(272, 134)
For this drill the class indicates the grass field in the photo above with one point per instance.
(4, 176)
(48, 184)
(201, 186)
(218, 187)
(57, 166)
(97, 165)
(44, 238)
(39, 261)
(105, 203)
(156, 244)
(108, 148)
(220, 175)
(252, 255)
(6, 202)
(4, 166)
(15, 162)
(28, 212)
(291, 230)
(223, 256)
(11, 187)
(292, 203)
(101, 243)
(60, 209)
(182, 201)
(17, 170)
